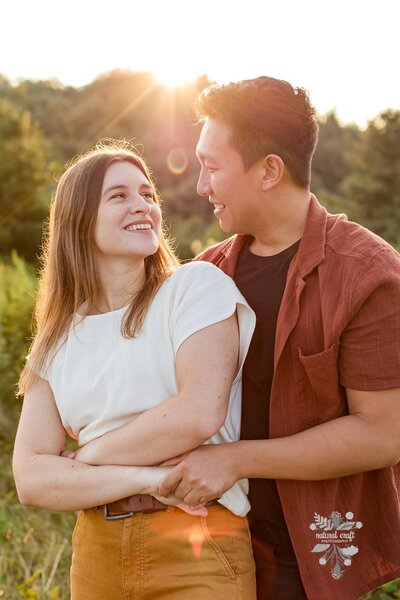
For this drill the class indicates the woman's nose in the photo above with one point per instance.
(139, 204)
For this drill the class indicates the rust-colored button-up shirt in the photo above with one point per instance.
(338, 327)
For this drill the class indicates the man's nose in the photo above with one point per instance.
(203, 184)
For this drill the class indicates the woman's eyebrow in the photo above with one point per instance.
(114, 187)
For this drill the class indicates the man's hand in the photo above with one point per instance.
(203, 475)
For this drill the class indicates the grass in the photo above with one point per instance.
(35, 545)
(35, 553)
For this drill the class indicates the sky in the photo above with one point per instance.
(345, 53)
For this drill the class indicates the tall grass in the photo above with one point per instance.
(35, 546)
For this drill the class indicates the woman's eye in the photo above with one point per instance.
(148, 195)
(119, 195)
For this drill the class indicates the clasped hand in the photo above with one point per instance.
(200, 476)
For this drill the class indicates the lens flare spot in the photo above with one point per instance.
(196, 539)
(177, 161)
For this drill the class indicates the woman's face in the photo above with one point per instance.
(128, 224)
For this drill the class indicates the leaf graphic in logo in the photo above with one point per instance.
(320, 547)
(347, 525)
(349, 551)
(321, 522)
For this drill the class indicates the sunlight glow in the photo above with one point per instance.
(196, 539)
(174, 73)
(181, 41)
(175, 68)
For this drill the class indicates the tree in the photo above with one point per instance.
(17, 297)
(375, 182)
(134, 106)
(25, 171)
(330, 164)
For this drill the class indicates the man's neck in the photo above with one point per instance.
(284, 223)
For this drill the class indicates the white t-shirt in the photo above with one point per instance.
(101, 380)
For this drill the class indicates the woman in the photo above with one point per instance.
(139, 361)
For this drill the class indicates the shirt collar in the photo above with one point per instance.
(311, 251)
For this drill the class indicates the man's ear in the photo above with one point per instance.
(273, 171)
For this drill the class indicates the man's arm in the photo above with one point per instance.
(366, 439)
(206, 364)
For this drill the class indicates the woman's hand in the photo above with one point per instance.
(86, 454)
(68, 454)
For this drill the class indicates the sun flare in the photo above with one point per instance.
(174, 73)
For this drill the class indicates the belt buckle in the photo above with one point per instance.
(117, 516)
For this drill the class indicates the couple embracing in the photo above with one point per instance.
(264, 374)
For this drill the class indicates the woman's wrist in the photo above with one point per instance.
(151, 478)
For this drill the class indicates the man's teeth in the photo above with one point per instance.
(219, 205)
(138, 226)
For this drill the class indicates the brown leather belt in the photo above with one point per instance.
(127, 507)
(141, 503)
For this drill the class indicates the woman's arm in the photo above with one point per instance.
(206, 364)
(45, 479)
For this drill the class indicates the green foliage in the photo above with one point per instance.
(24, 174)
(375, 181)
(17, 292)
(389, 591)
(119, 104)
(331, 163)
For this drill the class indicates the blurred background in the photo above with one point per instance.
(71, 74)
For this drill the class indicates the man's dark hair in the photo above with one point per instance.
(265, 116)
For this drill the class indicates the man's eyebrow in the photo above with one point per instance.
(203, 156)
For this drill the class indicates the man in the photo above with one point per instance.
(321, 390)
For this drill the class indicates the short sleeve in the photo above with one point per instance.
(204, 295)
(369, 357)
(46, 371)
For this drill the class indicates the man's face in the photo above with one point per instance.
(231, 189)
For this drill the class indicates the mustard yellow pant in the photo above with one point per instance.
(166, 555)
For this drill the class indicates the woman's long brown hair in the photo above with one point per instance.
(69, 276)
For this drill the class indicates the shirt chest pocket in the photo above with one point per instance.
(323, 398)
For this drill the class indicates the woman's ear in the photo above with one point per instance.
(273, 171)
